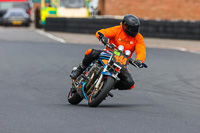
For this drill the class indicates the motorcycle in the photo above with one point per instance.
(99, 78)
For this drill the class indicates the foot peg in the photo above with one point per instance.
(110, 94)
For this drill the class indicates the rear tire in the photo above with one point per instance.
(107, 86)
(74, 98)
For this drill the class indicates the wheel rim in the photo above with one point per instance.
(93, 95)
(70, 94)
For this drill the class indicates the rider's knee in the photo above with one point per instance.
(130, 84)
(92, 53)
(127, 85)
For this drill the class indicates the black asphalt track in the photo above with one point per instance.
(34, 84)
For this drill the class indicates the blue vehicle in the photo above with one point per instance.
(96, 82)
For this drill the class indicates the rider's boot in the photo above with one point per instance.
(75, 73)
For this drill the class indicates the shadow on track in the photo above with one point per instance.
(112, 105)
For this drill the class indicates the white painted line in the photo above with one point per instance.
(176, 48)
(50, 36)
(194, 52)
(185, 50)
(182, 49)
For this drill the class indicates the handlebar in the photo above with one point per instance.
(111, 46)
(105, 41)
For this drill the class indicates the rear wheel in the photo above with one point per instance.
(97, 97)
(74, 98)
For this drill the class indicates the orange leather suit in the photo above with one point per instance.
(117, 36)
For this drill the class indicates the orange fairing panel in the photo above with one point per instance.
(105, 61)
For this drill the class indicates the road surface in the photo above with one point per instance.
(34, 84)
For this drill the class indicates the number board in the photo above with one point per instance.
(120, 59)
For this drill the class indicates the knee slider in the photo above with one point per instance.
(130, 83)
(127, 85)
(89, 51)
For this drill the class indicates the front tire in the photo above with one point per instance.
(74, 98)
(94, 101)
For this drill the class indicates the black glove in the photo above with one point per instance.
(102, 38)
(100, 35)
(138, 63)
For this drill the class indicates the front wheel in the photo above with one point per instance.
(96, 99)
(74, 98)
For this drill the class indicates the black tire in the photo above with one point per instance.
(107, 86)
(74, 98)
(27, 25)
(4, 24)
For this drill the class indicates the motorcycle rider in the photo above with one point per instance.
(126, 34)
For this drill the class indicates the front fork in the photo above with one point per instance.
(99, 81)
(103, 74)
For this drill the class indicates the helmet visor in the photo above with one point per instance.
(131, 30)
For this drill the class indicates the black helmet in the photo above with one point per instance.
(131, 25)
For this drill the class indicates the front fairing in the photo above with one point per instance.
(105, 58)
